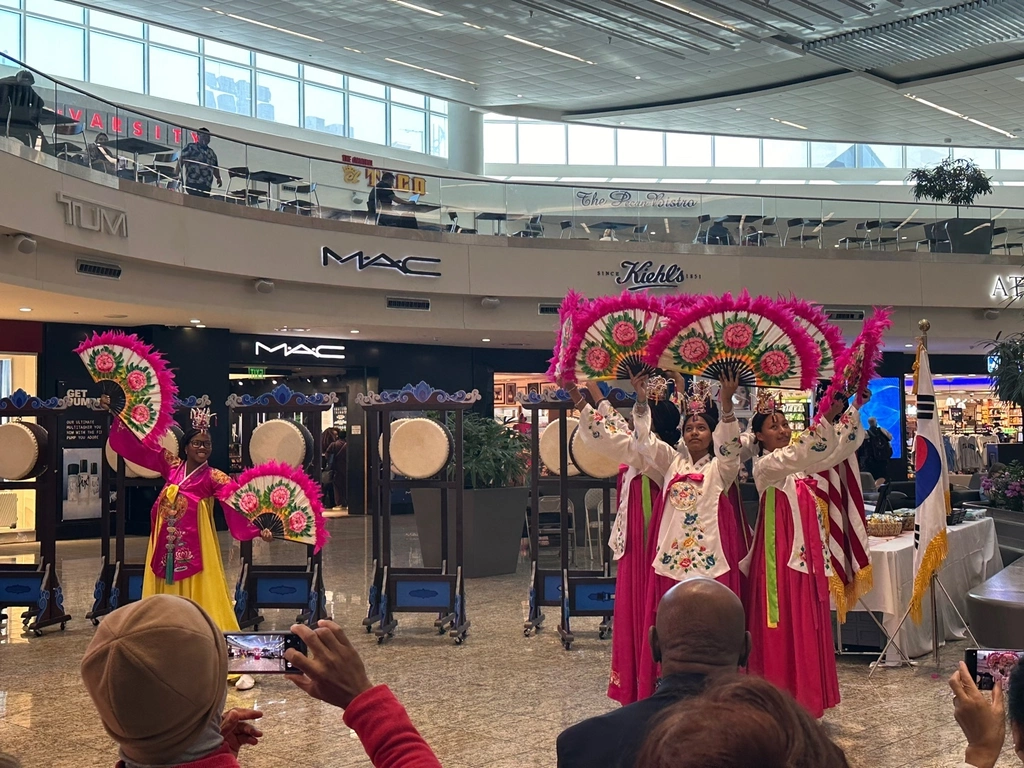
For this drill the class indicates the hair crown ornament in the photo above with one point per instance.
(767, 401)
(201, 419)
(699, 397)
(657, 388)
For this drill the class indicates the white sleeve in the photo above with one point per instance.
(851, 435)
(605, 430)
(810, 449)
(729, 454)
(657, 455)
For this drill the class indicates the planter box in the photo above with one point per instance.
(492, 520)
(960, 236)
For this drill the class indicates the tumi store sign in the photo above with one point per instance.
(116, 124)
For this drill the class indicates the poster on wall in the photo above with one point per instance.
(81, 466)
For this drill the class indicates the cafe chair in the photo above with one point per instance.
(302, 207)
(937, 239)
(245, 195)
(801, 238)
(1005, 246)
(549, 521)
(594, 502)
(454, 227)
(163, 169)
(533, 228)
(640, 235)
(567, 226)
(702, 220)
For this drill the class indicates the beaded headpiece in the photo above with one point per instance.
(201, 419)
(767, 401)
(657, 388)
(699, 397)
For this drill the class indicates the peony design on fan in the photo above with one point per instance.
(596, 362)
(280, 496)
(737, 335)
(298, 522)
(248, 502)
(694, 348)
(283, 500)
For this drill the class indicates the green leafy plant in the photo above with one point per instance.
(1008, 374)
(494, 456)
(957, 182)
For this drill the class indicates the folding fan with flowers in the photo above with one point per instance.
(137, 380)
(609, 337)
(858, 364)
(826, 335)
(283, 500)
(568, 310)
(756, 339)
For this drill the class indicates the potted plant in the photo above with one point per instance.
(955, 182)
(495, 460)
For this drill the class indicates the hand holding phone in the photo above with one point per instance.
(333, 671)
(989, 665)
(982, 722)
(256, 653)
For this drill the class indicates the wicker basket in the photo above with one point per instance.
(884, 526)
(909, 521)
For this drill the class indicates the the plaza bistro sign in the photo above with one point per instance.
(625, 198)
(409, 266)
(641, 275)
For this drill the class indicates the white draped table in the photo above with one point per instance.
(973, 558)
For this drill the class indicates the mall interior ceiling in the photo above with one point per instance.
(897, 71)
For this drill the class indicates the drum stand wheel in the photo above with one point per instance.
(567, 639)
(605, 630)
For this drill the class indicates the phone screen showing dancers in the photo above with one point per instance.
(256, 653)
(987, 665)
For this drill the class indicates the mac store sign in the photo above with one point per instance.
(291, 351)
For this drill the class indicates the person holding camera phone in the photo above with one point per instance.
(983, 721)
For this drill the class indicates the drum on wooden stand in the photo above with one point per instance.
(23, 448)
(420, 448)
(591, 462)
(380, 440)
(283, 440)
(549, 445)
(171, 442)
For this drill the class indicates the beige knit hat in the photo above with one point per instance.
(157, 672)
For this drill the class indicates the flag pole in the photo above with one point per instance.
(924, 326)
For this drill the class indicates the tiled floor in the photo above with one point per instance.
(498, 700)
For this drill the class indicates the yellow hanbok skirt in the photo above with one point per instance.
(209, 587)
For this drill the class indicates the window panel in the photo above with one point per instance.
(116, 62)
(323, 76)
(829, 155)
(173, 38)
(438, 105)
(542, 144)
(879, 156)
(366, 87)
(500, 143)
(228, 88)
(56, 10)
(10, 3)
(591, 145)
(688, 149)
(366, 119)
(407, 97)
(737, 152)
(784, 154)
(986, 158)
(325, 110)
(112, 23)
(920, 156)
(275, 64)
(1011, 159)
(277, 99)
(408, 128)
(173, 75)
(57, 49)
(10, 34)
(438, 135)
(640, 147)
(227, 52)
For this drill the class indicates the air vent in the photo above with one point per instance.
(845, 315)
(98, 269)
(547, 309)
(417, 305)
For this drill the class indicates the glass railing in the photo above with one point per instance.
(82, 130)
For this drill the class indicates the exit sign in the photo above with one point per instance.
(257, 373)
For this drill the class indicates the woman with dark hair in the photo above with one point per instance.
(337, 458)
(328, 437)
(741, 722)
(789, 564)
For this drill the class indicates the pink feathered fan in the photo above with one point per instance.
(827, 336)
(283, 500)
(567, 312)
(858, 364)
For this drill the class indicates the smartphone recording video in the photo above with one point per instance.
(987, 665)
(256, 653)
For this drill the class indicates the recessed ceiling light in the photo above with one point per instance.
(114, 317)
(415, 7)
(264, 25)
(474, 26)
(300, 330)
(519, 95)
(484, 339)
(546, 48)
(195, 322)
(636, 77)
(679, 8)
(353, 331)
(739, 109)
(786, 122)
(325, 381)
(954, 113)
(25, 309)
(200, 326)
(431, 71)
(622, 122)
(354, 50)
(908, 346)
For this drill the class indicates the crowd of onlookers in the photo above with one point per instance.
(705, 714)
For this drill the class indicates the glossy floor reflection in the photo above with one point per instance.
(499, 700)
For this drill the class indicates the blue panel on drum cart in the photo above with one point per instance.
(21, 588)
(553, 588)
(595, 596)
(282, 591)
(135, 588)
(423, 594)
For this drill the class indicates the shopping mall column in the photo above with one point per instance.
(465, 139)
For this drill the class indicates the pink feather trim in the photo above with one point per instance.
(164, 376)
(570, 306)
(869, 343)
(805, 348)
(595, 309)
(814, 315)
(305, 483)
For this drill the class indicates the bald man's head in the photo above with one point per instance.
(700, 627)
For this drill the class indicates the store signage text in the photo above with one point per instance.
(1010, 287)
(624, 198)
(92, 216)
(640, 275)
(78, 397)
(403, 181)
(120, 125)
(321, 352)
(411, 266)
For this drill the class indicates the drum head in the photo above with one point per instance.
(549, 445)
(420, 448)
(171, 441)
(283, 440)
(380, 440)
(590, 461)
(22, 450)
